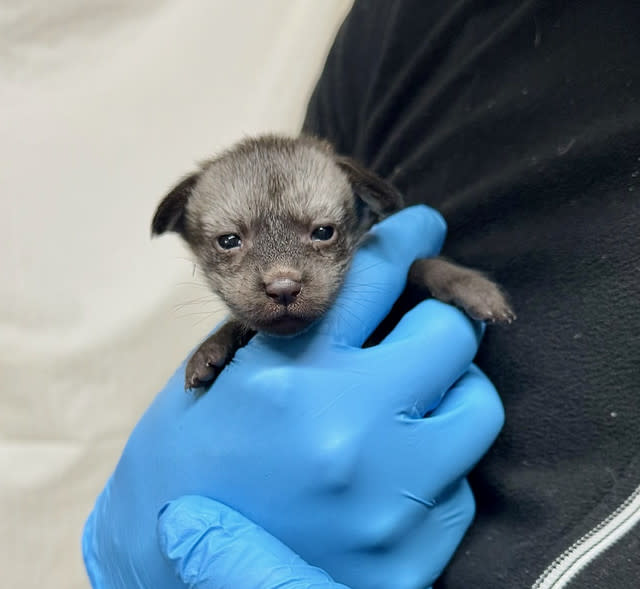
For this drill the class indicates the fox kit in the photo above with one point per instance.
(273, 223)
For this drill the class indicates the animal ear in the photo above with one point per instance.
(377, 197)
(169, 215)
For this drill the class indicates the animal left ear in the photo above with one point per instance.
(377, 198)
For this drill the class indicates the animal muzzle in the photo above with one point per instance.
(283, 289)
(282, 284)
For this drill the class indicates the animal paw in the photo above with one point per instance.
(205, 365)
(484, 301)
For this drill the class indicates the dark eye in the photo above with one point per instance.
(322, 233)
(229, 241)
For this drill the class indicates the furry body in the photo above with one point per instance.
(274, 223)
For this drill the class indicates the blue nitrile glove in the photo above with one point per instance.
(318, 441)
(212, 546)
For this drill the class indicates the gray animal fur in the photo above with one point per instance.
(272, 192)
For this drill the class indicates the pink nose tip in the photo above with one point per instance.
(283, 290)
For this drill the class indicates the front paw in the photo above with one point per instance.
(483, 300)
(205, 365)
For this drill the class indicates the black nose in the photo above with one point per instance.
(283, 290)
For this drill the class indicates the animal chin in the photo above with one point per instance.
(285, 324)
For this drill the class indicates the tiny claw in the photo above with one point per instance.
(191, 384)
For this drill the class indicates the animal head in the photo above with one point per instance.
(273, 224)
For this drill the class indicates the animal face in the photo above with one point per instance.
(273, 224)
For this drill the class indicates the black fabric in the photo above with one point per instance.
(520, 122)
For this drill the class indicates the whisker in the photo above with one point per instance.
(367, 289)
(342, 309)
(199, 281)
(201, 320)
(198, 301)
(366, 268)
(195, 314)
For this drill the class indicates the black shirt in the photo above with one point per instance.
(520, 122)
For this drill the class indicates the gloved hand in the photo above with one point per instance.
(211, 546)
(321, 443)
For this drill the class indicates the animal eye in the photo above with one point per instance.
(322, 233)
(229, 241)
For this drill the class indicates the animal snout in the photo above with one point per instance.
(283, 290)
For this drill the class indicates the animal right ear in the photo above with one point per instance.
(377, 196)
(169, 215)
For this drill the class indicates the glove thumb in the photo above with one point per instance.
(211, 546)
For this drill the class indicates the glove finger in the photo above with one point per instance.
(422, 535)
(454, 512)
(211, 546)
(425, 354)
(432, 542)
(379, 272)
(461, 428)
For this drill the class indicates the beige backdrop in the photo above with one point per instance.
(103, 105)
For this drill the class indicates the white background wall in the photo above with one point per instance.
(103, 105)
